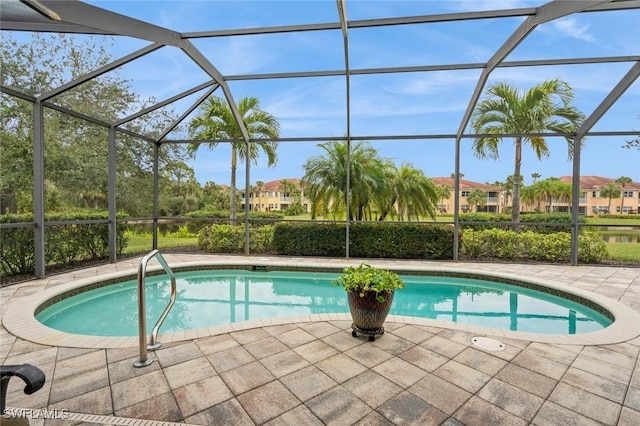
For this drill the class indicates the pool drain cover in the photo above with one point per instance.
(488, 343)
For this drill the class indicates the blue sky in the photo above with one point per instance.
(390, 104)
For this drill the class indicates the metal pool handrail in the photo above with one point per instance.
(142, 317)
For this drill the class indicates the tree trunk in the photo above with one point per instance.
(515, 206)
(233, 206)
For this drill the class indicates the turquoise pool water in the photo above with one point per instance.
(208, 298)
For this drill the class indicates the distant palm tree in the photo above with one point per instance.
(411, 193)
(535, 176)
(552, 189)
(216, 121)
(443, 193)
(545, 107)
(259, 185)
(326, 180)
(477, 198)
(528, 195)
(623, 181)
(610, 190)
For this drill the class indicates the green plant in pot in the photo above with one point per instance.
(370, 293)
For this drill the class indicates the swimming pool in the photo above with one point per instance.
(214, 297)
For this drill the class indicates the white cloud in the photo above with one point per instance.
(570, 27)
(475, 5)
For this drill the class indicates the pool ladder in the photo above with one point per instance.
(142, 310)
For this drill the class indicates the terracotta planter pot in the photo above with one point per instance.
(368, 314)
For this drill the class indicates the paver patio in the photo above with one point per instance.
(306, 373)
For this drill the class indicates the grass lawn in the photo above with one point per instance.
(626, 252)
(142, 243)
(633, 221)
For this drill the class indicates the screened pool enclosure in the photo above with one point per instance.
(404, 77)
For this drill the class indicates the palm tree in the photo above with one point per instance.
(477, 198)
(326, 179)
(545, 107)
(529, 196)
(216, 121)
(443, 193)
(610, 190)
(561, 190)
(411, 193)
(259, 185)
(535, 176)
(623, 181)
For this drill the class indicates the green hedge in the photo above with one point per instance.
(529, 245)
(223, 238)
(64, 244)
(222, 216)
(546, 218)
(395, 241)
(309, 239)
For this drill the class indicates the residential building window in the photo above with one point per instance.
(627, 194)
(583, 197)
(465, 193)
(603, 209)
(466, 208)
(595, 194)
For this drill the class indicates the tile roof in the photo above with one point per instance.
(597, 182)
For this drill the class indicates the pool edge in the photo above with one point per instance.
(19, 318)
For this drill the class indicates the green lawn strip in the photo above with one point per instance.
(627, 252)
(142, 244)
(633, 221)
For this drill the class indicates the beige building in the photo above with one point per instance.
(494, 201)
(593, 203)
(276, 196)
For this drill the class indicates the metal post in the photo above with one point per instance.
(156, 197)
(247, 188)
(38, 188)
(575, 199)
(111, 195)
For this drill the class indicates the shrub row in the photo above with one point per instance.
(529, 245)
(64, 244)
(399, 241)
(224, 214)
(220, 216)
(549, 219)
(223, 238)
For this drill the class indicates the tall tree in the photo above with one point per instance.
(259, 185)
(535, 176)
(610, 190)
(215, 120)
(443, 193)
(504, 110)
(623, 181)
(477, 198)
(215, 196)
(75, 150)
(326, 180)
(411, 192)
